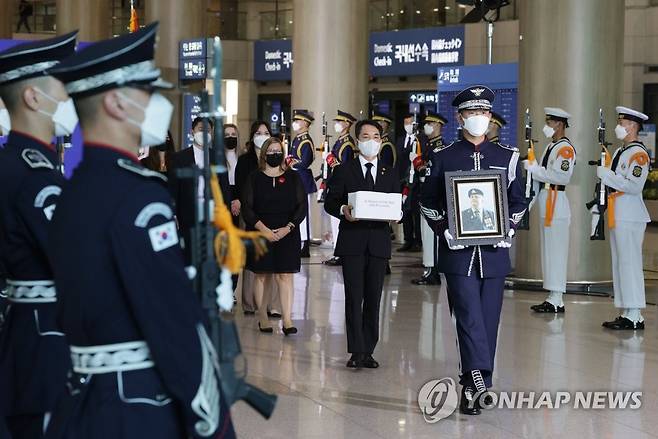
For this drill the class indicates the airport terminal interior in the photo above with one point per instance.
(410, 59)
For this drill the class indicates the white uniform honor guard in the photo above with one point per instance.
(627, 218)
(553, 174)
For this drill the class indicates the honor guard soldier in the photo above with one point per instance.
(388, 153)
(143, 364)
(496, 124)
(410, 146)
(34, 356)
(301, 156)
(342, 152)
(627, 218)
(553, 173)
(475, 275)
(434, 123)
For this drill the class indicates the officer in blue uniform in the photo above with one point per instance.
(475, 275)
(34, 356)
(497, 123)
(388, 153)
(342, 152)
(433, 126)
(143, 363)
(301, 155)
(344, 148)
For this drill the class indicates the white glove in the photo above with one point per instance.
(506, 244)
(602, 172)
(412, 157)
(527, 164)
(449, 240)
(225, 291)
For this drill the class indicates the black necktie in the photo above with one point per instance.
(370, 181)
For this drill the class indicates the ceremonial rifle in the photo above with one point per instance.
(325, 153)
(600, 193)
(210, 247)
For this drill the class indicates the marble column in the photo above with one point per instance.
(571, 56)
(330, 69)
(93, 18)
(179, 20)
(7, 25)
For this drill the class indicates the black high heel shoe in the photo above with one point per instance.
(289, 331)
(266, 330)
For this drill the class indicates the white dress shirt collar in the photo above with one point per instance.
(373, 171)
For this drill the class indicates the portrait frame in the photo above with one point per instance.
(476, 206)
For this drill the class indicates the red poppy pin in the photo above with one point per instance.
(282, 179)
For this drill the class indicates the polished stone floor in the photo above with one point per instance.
(320, 398)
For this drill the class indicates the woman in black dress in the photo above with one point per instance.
(274, 203)
(248, 163)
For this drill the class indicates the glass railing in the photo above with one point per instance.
(41, 19)
(388, 15)
(121, 15)
(274, 26)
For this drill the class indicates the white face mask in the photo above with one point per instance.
(477, 125)
(548, 131)
(65, 118)
(5, 122)
(198, 138)
(296, 126)
(409, 129)
(369, 148)
(259, 139)
(621, 132)
(338, 127)
(157, 116)
(429, 129)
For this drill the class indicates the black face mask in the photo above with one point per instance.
(230, 142)
(274, 160)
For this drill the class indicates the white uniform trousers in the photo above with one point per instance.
(335, 222)
(305, 226)
(627, 275)
(555, 254)
(427, 238)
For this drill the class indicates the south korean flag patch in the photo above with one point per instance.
(163, 236)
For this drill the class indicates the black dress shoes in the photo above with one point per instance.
(430, 277)
(468, 405)
(334, 262)
(547, 307)
(274, 315)
(289, 331)
(416, 248)
(621, 323)
(267, 330)
(369, 362)
(354, 361)
(407, 246)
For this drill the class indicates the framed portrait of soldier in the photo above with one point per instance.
(477, 207)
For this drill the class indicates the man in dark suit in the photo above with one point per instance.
(476, 218)
(182, 189)
(364, 246)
